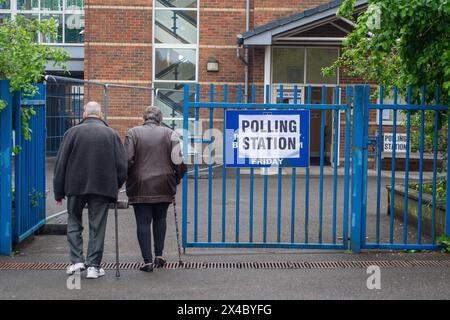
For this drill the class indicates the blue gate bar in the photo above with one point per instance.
(280, 185)
(210, 168)
(5, 170)
(435, 155)
(357, 168)
(406, 202)
(365, 163)
(307, 176)
(30, 167)
(447, 203)
(224, 181)
(394, 150)
(412, 107)
(268, 105)
(196, 160)
(265, 182)
(347, 165)
(335, 162)
(379, 151)
(238, 176)
(422, 146)
(294, 178)
(252, 174)
(322, 145)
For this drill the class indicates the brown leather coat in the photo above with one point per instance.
(152, 176)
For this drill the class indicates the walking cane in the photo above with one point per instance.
(116, 218)
(177, 230)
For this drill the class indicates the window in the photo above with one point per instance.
(175, 52)
(288, 65)
(388, 114)
(175, 64)
(292, 65)
(68, 15)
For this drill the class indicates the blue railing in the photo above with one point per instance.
(402, 241)
(5, 170)
(30, 169)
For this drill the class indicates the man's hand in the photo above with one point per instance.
(59, 202)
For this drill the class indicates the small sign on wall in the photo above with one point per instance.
(388, 140)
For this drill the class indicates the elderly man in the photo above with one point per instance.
(90, 168)
(154, 169)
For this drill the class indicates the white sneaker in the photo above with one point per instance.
(76, 267)
(94, 273)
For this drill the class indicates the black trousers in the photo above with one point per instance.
(146, 213)
(98, 214)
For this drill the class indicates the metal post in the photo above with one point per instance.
(116, 221)
(185, 153)
(5, 171)
(357, 168)
(105, 102)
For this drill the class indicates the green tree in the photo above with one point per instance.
(23, 59)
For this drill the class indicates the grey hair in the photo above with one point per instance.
(93, 108)
(153, 113)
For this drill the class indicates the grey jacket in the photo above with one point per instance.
(152, 176)
(90, 160)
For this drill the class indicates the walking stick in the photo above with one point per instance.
(117, 239)
(177, 230)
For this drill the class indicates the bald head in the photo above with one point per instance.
(92, 109)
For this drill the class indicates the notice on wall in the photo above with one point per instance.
(267, 138)
(388, 141)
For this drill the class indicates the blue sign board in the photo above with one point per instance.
(267, 138)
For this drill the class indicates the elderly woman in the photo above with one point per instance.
(154, 169)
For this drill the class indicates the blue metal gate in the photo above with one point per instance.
(295, 207)
(387, 233)
(30, 170)
(5, 170)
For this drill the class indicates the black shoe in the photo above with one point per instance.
(159, 262)
(147, 267)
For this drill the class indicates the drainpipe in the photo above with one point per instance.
(247, 28)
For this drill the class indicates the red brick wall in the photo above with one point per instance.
(118, 47)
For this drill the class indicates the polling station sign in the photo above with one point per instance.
(266, 138)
